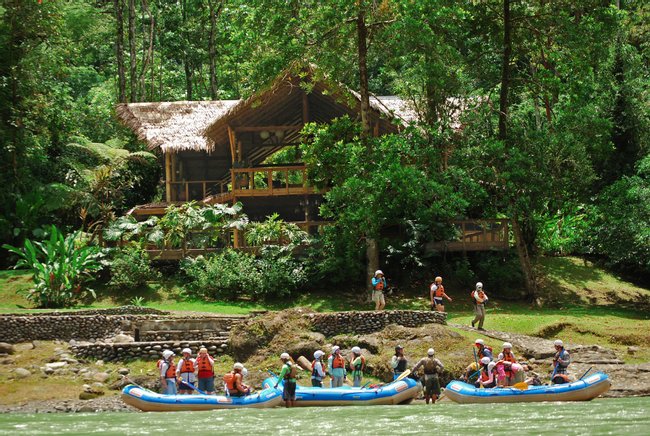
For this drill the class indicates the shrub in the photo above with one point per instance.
(60, 266)
(131, 268)
(235, 274)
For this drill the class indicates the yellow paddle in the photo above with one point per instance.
(403, 375)
(521, 385)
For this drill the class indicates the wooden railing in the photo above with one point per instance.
(196, 189)
(270, 181)
(477, 235)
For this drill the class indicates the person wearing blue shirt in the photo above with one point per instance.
(378, 286)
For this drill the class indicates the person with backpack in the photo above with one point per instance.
(205, 366)
(437, 293)
(336, 367)
(317, 372)
(378, 286)
(167, 370)
(185, 372)
(357, 366)
(431, 367)
(288, 377)
(479, 298)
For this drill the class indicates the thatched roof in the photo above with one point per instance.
(174, 126)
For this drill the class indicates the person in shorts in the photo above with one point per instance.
(288, 377)
(378, 287)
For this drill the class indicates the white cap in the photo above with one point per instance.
(318, 354)
(379, 272)
(485, 360)
(356, 350)
(479, 285)
(285, 356)
(238, 366)
(431, 352)
(479, 342)
(335, 348)
(187, 350)
(558, 343)
(507, 345)
(167, 354)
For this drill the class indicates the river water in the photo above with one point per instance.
(626, 416)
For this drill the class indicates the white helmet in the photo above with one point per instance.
(558, 343)
(479, 342)
(479, 285)
(167, 354)
(507, 345)
(485, 360)
(318, 354)
(356, 350)
(187, 350)
(335, 348)
(285, 356)
(238, 366)
(431, 352)
(379, 272)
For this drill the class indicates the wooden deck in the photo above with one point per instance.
(477, 235)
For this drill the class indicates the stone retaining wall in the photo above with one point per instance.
(142, 350)
(14, 329)
(180, 335)
(122, 310)
(331, 324)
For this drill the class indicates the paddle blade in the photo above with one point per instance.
(521, 385)
(304, 363)
(403, 375)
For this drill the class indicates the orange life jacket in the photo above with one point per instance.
(230, 380)
(509, 358)
(440, 290)
(205, 367)
(188, 366)
(338, 361)
(486, 375)
(481, 296)
(380, 285)
(171, 369)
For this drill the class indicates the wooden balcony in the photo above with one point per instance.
(477, 235)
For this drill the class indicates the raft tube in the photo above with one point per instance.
(149, 401)
(398, 392)
(582, 390)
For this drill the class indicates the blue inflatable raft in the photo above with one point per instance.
(150, 401)
(585, 389)
(398, 392)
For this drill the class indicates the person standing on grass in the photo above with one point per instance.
(378, 287)
(437, 293)
(479, 298)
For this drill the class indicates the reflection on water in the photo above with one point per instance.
(629, 416)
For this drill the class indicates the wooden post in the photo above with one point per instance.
(231, 140)
(305, 107)
(168, 177)
(269, 176)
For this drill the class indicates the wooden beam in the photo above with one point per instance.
(168, 175)
(231, 140)
(305, 107)
(269, 128)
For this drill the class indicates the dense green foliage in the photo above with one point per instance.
(60, 266)
(555, 138)
(131, 268)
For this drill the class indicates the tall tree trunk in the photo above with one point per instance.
(186, 61)
(148, 55)
(119, 50)
(212, 50)
(132, 52)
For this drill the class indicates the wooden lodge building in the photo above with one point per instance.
(216, 151)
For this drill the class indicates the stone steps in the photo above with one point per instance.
(112, 352)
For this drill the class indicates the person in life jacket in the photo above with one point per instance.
(288, 377)
(357, 366)
(431, 367)
(398, 362)
(561, 362)
(507, 368)
(437, 293)
(479, 298)
(487, 377)
(378, 287)
(233, 381)
(336, 367)
(204, 365)
(482, 349)
(167, 370)
(185, 372)
(317, 371)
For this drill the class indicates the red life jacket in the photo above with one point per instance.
(205, 367)
(380, 285)
(230, 380)
(188, 366)
(485, 375)
(338, 361)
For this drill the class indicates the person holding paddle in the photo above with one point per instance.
(561, 362)
(431, 367)
(185, 371)
(398, 362)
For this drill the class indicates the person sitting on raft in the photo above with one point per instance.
(487, 377)
(234, 382)
(185, 372)
(336, 367)
(431, 367)
(508, 369)
(288, 377)
(561, 362)
(357, 366)
(317, 372)
(398, 362)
